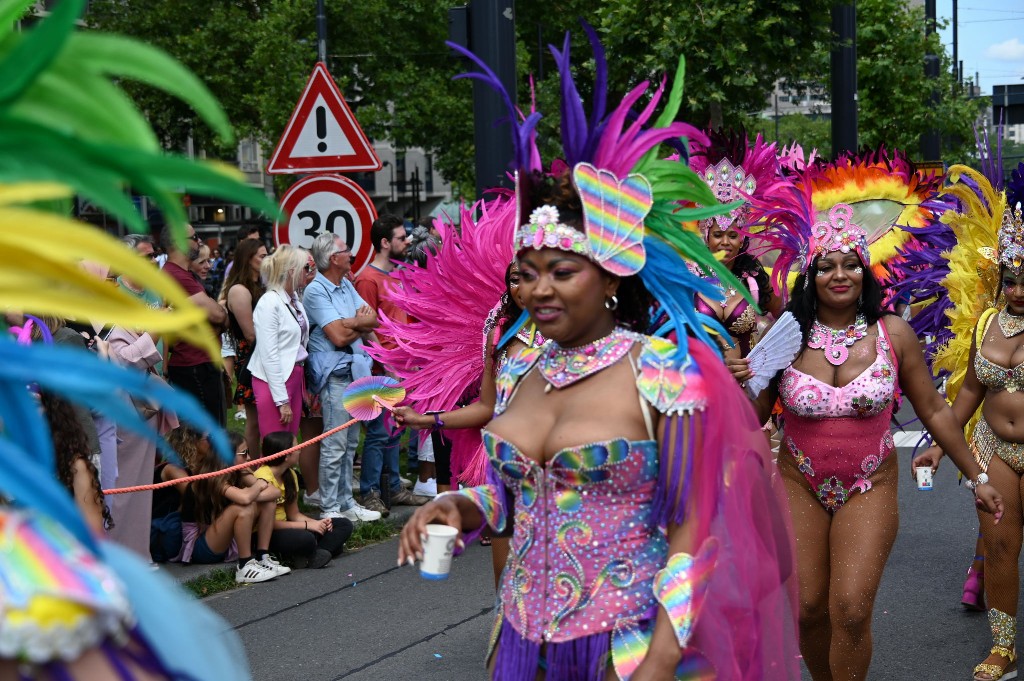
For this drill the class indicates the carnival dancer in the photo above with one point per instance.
(74, 605)
(984, 360)
(628, 558)
(837, 399)
(737, 169)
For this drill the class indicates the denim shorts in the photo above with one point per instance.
(201, 552)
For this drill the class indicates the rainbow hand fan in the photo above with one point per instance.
(365, 398)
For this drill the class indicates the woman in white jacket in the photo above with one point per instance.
(282, 332)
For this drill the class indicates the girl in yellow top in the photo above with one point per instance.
(297, 536)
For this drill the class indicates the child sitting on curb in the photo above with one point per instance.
(307, 540)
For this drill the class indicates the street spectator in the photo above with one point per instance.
(245, 233)
(188, 366)
(312, 422)
(165, 528)
(74, 470)
(219, 514)
(201, 267)
(242, 290)
(338, 320)
(282, 333)
(136, 454)
(380, 448)
(311, 542)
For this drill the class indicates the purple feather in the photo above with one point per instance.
(1015, 187)
(600, 89)
(574, 120)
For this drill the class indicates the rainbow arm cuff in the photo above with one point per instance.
(682, 585)
(489, 500)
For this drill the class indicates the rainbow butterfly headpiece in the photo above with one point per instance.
(836, 231)
(1011, 241)
(613, 218)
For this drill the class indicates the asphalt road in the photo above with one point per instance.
(364, 619)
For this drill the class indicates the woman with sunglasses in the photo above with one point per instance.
(282, 332)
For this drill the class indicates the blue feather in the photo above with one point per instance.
(28, 483)
(675, 288)
(514, 329)
(83, 378)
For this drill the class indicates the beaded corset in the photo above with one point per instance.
(585, 548)
(996, 377)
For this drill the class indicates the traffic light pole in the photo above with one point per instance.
(844, 78)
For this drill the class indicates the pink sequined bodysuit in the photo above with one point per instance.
(840, 436)
(600, 557)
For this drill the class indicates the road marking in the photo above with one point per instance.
(908, 438)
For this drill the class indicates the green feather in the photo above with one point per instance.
(84, 106)
(36, 49)
(10, 12)
(111, 55)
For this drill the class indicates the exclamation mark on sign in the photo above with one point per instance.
(321, 128)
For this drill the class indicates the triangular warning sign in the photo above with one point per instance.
(322, 136)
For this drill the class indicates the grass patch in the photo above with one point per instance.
(365, 534)
(212, 583)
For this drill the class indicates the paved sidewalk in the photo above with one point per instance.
(362, 618)
(182, 573)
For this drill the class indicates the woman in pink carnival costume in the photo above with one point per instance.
(838, 397)
(648, 542)
(737, 168)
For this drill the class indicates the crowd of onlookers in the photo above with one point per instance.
(293, 326)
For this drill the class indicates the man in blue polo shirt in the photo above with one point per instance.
(338, 318)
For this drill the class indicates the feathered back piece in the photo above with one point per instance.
(736, 169)
(973, 271)
(1015, 187)
(631, 196)
(439, 355)
(884, 195)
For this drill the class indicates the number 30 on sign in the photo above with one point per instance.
(327, 203)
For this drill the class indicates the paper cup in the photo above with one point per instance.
(437, 551)
(924, 478)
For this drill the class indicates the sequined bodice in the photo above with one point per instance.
(869, 394)
(996, 377)
(585, 547)
(741, 320)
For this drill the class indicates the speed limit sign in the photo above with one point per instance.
(327, 203)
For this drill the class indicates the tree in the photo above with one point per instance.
(390, 60)
(893, 91)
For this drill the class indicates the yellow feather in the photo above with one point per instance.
(40, 272)
(27, 192)
(973, 279)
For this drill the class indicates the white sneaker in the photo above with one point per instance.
(425, 489)
(254, 572)
(406, 482)
(359, 514)
(311, 499)
(240, 415)
(269, 561)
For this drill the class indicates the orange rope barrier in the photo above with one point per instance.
(232, 469)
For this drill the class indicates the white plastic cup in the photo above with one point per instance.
(924, 478)
(437, 552)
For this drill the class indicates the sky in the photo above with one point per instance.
(991, 39)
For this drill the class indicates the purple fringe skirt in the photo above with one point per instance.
(580, 659)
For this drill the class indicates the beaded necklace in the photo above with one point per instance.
(1010, 324)
(837, 343)
(562, 367)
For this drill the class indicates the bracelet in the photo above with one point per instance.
(438, 423)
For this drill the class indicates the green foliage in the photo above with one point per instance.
(365, 534)
(893, 91)
(807, 131)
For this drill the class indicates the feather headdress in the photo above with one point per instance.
(736, 169)
(881, 194)
(631, 195)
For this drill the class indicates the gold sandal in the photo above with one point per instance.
(1004, 633)
(994, 672)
